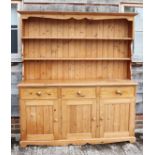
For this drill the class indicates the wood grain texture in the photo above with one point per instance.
(77, 86)
(77, 15)
(110, 52)
(75, 122)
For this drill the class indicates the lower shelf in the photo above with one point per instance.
(78, 141)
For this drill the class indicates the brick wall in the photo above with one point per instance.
(139, 121)
(15, 125)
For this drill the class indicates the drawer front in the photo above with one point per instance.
(78, 93)
(117, 92)
(38, 93)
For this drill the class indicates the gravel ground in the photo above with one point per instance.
(124, 148)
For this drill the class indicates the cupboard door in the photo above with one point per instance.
(39, 119)
(114, 117)
(78, 118)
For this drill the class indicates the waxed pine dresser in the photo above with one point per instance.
(76, 85)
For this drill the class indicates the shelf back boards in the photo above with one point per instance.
(71, 49)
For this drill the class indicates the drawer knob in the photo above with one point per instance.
(118, 92)
(101, 118)
(32, 115)
(38, 93)
(94, 119)
(79, 94)
(55, 120)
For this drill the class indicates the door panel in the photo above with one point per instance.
(78, 118)
(114, 117)
(40, 119)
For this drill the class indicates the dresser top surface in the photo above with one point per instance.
(59, 83)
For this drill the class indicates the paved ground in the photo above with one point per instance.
(107, 149)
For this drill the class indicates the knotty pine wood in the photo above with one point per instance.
(76, 49)
(71, 113)
(76, 70)
(77, 86)
(114, 117)
(75, 123)
(72, 83)
(38, 93)
(38, 28)
(40, 119)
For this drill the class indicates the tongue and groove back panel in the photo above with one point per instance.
(37, 27)
(75, 70)
(76, 49)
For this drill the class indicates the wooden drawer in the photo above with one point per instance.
(38, 93)
(117, 92)
(78, 93)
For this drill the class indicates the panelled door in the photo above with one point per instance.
(39, 119)
(114, 117)
(78, 118)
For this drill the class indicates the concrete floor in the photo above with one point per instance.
(124, 148)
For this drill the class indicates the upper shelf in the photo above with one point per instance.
(68, 38)
(39, 28)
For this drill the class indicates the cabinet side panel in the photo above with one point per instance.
(23, 120)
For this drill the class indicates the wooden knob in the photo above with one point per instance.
(118, 92)
(101, 118)
(79, 94)
(32, 115)
(49, 93)
(94, 119)
(55, 120)
(38, 93)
